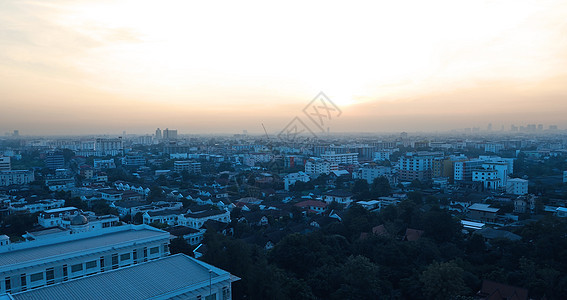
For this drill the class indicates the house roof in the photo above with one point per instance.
(483, 207)
(489, 233)
(79, 245)
(413, 234)
(339, 193)
(206, 213)
(499, 291)
(165, 212)
(310, 203)
(181, 230)
(146, 280)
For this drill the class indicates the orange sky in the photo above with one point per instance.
(84, 67)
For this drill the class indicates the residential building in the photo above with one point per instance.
(252, 159)
(55, 160)
(110, 146)
(166, 216)
(134, 160)
(16, 177)
(292, 178)
(488, 177)
(369, 172)
(36, 206)
(312, 206)
(54, 217)
(104, 164)
(197, 219)
(417, 165)
(517, 186)
(339, 196)
(169, 134)
(463, 170)
(340, 158)
(192, 167)
(316, 166)
(34, 264)
(482, 213)
(5, 164)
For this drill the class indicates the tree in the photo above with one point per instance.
(180, 245)
(138, 218)
(361, 190)
(443, 281)
(380, 187)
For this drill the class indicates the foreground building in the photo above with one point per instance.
(173, 277)
(34, 264)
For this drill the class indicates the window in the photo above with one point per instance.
(154, 250)
(90, 264)
(36, 277)
(65, 273)
(102, 263)
(23, 281)
(114, 261)
(211, 297)
(8, 283)
(77, 268)
(125, 256)
(50, 276)
(225, 293)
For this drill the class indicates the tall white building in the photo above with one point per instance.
(317, 166)
(369, 172)
(341, 158)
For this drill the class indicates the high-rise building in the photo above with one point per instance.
(158, 134)
(55, 160)
(5, 164)
(170, 134)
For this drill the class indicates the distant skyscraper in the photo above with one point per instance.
(170, 134)
(489, 128)
(540, 127)
(158, 134)
(16, 133)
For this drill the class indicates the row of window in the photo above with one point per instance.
(76, 269)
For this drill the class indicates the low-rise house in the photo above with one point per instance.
(197, 219)
(312, 206)
(339, 196)
(482, 213)
(36, 206)
(167, 216)
(54, 217)
(191, 235)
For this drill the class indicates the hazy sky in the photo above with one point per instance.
(97, 66)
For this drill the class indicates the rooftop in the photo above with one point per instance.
(147, 280)
(35, 251)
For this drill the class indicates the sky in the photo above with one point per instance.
(104, 67)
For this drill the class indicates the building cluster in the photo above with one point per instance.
(156, 188)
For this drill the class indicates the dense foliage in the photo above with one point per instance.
(345, 261)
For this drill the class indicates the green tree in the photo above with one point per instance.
(361, 190)
(380, 187)
(443, 281)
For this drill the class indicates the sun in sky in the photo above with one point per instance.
(70, 66)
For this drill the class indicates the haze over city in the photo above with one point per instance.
(85, 67)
